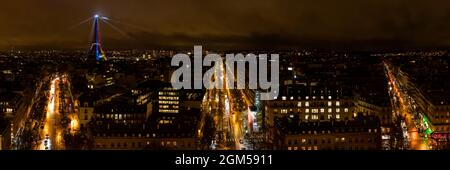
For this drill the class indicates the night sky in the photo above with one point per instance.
(353, 24)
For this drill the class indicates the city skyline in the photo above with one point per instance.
(224, 84)
(322, 99)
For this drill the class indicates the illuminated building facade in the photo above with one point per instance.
(361, 133)
(168, 100)
(315, 105)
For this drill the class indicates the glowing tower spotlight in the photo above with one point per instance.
(96, 46)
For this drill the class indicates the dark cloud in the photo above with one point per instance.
(228, 24)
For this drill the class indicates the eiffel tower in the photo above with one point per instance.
(96, 51)
(100, 70)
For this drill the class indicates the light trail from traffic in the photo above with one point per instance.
(409, 107)
(226, 107)
(51, 135)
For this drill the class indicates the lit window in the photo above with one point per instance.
(292, 97)
(337, 103)
(315, 110)
(330, 110)
(306, 117)
(307, 97)
(345, 109)
(338, 110)
(329, 97)
(321, 97)
(329, 103)
(283, 98)
(289, 68)
(315, 117)
(322, 110)
(306, 110)
(330, 116)
(299, 104)
(307, 104)
(338, 116)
